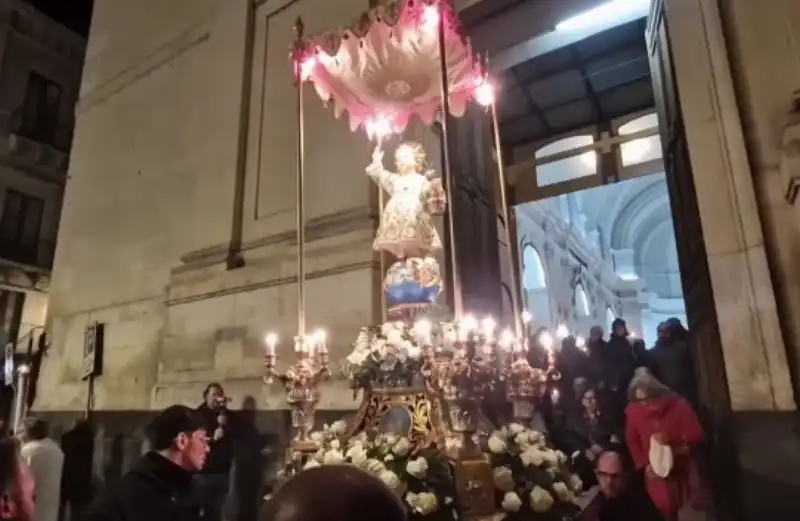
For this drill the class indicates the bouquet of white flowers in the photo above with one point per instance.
(423, 479)
(533, 481)
(385, 356)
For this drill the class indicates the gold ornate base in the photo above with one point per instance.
(409, 412)
(475, 487)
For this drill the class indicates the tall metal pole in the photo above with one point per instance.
(449, 185)
(301, 225)
(501, 173)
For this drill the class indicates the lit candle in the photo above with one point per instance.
(488, 325)
(271, 341)
(506, 340)
(422, 330)
(580, 342)
(546, 339)
(320, 341)
(526, 322)
(562, 332)
(467, 326)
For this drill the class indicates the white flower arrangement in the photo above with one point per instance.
(532, 480)
(385, 356)
(423, 479)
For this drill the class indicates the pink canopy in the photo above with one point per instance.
(385, 69)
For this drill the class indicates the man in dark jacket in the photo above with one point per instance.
(620, 357)
(670, 360)
(213, 482)
(159, 486)
(620, 499)
(76, 475)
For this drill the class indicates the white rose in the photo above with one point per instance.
(378, 345)
(511, 502)
(550, 457)
(417, 467)
(562, 491)
(391, 480)
(515, 428)
(426, 503)
(562, 458)
(497, 445)
(357, 357)
(414, 352)
(391, 439)
(359, 458)
(310, 464)
(317, 437)
(540, 500)
(575, 483)
(503, 479)
(402, 447)
(333, 457)
(374, 466)
(357, 455)
(387, 328)
(389, 457)
(532, 458)
(395, 338)
(360, 438)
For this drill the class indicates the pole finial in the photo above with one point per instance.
(299, 29)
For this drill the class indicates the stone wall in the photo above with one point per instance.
(183, 167)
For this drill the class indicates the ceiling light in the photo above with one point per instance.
(602, 14)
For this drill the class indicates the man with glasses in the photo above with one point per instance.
(159, 486)
(620, 499)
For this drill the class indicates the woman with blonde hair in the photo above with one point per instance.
(662, 432)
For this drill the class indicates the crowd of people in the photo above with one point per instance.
(624, 413)
(627, 415)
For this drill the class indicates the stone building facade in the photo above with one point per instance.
(40, 73)
(177, 228)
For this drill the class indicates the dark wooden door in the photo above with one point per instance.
(475, 213)
(706, 346)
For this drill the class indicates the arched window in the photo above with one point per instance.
(532, 269)
(643, 149)
(610, 318)
(575, 167)
(581, 301)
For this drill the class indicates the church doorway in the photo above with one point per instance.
(606, 218)
(592, 256)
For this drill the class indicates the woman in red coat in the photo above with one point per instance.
(656, 414)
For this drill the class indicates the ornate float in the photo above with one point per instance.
(423, 377)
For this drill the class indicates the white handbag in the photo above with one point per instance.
(661, 458)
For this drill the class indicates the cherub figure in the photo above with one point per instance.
(406, 228)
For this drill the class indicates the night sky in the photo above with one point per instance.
(75, 14)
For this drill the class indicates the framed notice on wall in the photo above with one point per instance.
(93, 350)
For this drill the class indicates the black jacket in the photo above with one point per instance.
(154, 490)
(220, 454)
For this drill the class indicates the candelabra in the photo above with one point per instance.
(301, 383)
(524, 384)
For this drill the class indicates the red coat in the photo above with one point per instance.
(675, 421)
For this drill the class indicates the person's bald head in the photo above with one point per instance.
(333, 493)
(610, 473)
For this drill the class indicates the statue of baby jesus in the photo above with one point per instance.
(406, 228)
